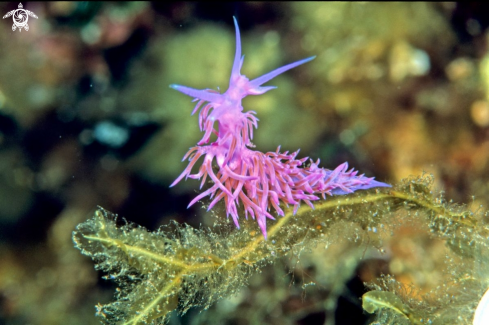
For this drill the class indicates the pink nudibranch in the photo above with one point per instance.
(259, 181)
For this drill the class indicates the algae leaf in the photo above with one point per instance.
(372, 301)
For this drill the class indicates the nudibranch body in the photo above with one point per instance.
(259, 181)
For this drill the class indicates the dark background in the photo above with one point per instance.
(87, 118)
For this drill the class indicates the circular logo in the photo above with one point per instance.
(20, 18)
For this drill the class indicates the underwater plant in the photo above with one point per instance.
(257, 180)
(179, 267)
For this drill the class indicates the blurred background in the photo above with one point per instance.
(87, 118)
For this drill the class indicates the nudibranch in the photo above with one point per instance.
(259, 181)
